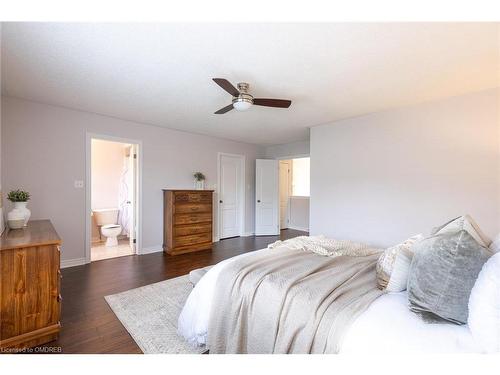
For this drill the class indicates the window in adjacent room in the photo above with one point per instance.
(300, 177)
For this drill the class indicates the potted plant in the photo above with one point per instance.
(199, 181)
(20, 214)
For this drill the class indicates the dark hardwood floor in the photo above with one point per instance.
(89, 325)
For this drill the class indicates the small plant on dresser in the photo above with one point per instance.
(199, 180)
(20, 215)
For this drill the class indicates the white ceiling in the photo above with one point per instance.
(161, 73)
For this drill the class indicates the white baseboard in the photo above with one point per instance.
(80, 261)
(72, 262)
(298, 228)
(151, 249)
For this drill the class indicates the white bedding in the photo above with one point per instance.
(193, 320)
(387, 326)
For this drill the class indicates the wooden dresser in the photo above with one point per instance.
(187, 220)
(30, 302)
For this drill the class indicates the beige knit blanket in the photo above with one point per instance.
(326, 246)
(289, 301)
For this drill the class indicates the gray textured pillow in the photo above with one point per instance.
(442, 274)
(467, 223)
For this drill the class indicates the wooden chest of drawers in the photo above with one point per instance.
(30, 303)
(187, 221)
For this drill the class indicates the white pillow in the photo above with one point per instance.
(464, 223)
(394, 264)
(484, 306)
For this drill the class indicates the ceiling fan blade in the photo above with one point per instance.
(226, 85)
(279, 103)
(224, 110)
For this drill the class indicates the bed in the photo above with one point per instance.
(384, 325)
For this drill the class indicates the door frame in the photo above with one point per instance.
(294, 156)
(241, 193)
(88, 188)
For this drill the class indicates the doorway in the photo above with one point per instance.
(282, 195)
(295, 192)
(112, 197)
(285, 183)
(231, 195)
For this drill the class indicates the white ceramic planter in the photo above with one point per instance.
(19, 212)
(199, 185)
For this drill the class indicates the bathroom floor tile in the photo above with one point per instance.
(101, 252)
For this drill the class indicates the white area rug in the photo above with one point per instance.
(150, 315)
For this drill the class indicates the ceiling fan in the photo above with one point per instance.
(242, 100)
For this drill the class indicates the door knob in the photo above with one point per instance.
(258, 200)
(220, 201)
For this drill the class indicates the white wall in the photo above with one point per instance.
(108, 159)
(287, 150)
(383, 177)
(44, 152)
(299, 213)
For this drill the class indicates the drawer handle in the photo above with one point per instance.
(59, 273)
(59, 298)
(59, 249)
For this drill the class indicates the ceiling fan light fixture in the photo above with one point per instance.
(242, 100)
(242, 104)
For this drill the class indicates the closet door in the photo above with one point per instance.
(229, 196)
(266, 197)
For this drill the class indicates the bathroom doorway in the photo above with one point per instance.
(112, 198)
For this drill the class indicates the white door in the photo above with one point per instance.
(267, 197)
(229, 196)
(285, 187)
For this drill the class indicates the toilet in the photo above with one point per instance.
(107, 220)
(111, 232)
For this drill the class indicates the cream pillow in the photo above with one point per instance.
(394, 264)
(464, 223)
